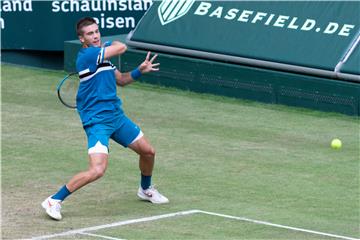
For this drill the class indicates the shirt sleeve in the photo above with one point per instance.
(95, 56)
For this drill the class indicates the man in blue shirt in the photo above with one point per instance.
(102, 116)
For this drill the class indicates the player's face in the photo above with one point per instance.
(91, 36)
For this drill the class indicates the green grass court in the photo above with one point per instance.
(225, 156)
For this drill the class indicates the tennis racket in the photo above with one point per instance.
(67, 90)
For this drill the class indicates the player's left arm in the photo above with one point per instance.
(146, 66)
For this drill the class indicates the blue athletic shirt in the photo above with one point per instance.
(96, 99)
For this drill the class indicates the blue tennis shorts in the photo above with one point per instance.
(122, 130)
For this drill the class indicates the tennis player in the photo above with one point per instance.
(102, 115)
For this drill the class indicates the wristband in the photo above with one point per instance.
(135, 74)
(107, 43)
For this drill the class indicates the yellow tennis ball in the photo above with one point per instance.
(336, 143)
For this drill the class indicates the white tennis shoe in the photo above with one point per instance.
(152, 195)
(52, 208)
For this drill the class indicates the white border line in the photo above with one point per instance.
(100, 236)
(116, 224)
(279, 226)
(183, 213)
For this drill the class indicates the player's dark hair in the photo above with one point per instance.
(83, 22)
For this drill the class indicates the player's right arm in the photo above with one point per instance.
(116, 48)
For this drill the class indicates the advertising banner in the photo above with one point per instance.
(45, 25)
(309, 34)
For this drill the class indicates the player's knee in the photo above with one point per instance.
(152, 152)
(97, 172)
(149, 152)
(100, 173)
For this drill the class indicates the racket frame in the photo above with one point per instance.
(59, 87)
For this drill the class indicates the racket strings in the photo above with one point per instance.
(68, 91)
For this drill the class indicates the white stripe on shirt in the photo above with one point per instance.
(100, 69)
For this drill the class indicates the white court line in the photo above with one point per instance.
(182, 213)
(100, 236)
(279, 225)
(116, 224)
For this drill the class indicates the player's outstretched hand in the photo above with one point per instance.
(148, 65)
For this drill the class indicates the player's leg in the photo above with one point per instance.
(146, 164)
(146, 154)
(146, 159)
(98, 161)
(130, 135)
(97, 166)
(98, 142)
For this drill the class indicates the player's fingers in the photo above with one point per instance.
(148, 56)
(156, 64)
(153, 58)
(155, 69)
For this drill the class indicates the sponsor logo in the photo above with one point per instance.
(170, 10)
(148, 194)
